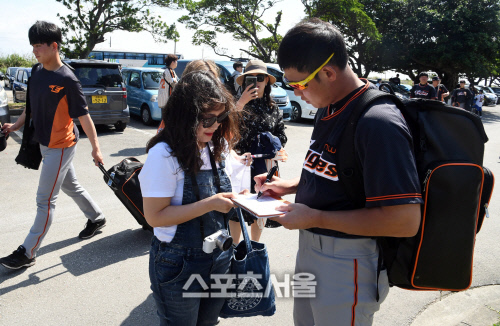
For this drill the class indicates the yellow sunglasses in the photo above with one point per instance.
(301, 85)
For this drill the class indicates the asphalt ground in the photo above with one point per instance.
(104, 280)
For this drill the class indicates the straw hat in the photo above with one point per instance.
(255, 67)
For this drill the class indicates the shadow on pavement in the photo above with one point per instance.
(144, 314)
(90, 257)
(107, 251)
(138, 151)
(491, 116)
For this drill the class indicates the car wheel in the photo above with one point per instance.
(146, 115)
(120, 126)
(296, 112)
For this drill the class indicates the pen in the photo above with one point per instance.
(262, 156)
(268, 178)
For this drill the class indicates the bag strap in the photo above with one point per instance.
(246, 237)
(348, 164)
(27, 119)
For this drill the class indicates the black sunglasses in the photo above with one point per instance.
(209, 122)
(261, 78)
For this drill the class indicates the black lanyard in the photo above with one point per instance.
(196, 189)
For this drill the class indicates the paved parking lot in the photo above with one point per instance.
(104, 280)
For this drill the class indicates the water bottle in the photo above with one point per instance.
(110, 181)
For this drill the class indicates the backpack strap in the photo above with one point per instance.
(348, 164)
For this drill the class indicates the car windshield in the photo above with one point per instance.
(151, 79)
(98, 76)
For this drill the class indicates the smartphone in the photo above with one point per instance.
(249, 80)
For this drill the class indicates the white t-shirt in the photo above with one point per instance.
(161, 176)
(479, 100)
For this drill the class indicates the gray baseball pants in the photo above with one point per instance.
(57, 173)
(346, 276)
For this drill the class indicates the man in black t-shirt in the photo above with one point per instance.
(423, 89)
(56, 98)
(461, 97)
(336, 239)
(396, 80)
(441, 90)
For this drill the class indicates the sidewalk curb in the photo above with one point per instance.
(477, 306)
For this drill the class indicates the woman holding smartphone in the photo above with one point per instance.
(259, 114)
(186, 193)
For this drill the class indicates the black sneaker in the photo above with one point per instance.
(91, 228)
(17, 259)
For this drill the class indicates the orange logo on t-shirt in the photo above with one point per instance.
(55, 88)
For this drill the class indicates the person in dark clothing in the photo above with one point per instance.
(423, 89)
(396, 80)
(441, 90)
(259, 115)
(461, 97)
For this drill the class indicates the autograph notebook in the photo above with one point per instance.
(263, 207)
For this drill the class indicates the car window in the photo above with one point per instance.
(125, 75)
(98, 75)
(278, 75)
(223, 73)
(135, 79)
(19, 76)
(181, 65)
(25, 77)
(151, 79)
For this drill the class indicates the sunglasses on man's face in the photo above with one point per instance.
(301, 85)
(209, 122)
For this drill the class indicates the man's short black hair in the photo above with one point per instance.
(237, 64)
(170, 58)
(308, 44)
(423, 73)
(462, 81)
(45, 33)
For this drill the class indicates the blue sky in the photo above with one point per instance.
(18, 16)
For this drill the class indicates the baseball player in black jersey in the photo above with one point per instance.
(336, 242)
(423, 89)
(441, 90)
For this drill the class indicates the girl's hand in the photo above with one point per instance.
(245, 159)
(222, 202)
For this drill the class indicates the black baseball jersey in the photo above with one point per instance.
(384, 145)
(461, 95)
(56, 98)
(423, 91)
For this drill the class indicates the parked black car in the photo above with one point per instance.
(10, 74)
(20, 85)
(104, 90)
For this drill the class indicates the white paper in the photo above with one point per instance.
(240, 176)
(264, 206)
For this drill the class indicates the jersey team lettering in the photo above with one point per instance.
(421, 92)
(55, 88)
(315, 164)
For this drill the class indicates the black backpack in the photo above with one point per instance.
(230, 86)
(456, 189)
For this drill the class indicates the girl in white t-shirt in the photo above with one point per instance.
(186, 192)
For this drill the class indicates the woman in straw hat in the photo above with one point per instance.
(260, 114)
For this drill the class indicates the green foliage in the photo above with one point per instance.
(352, 18)
(240, 18)
(90, 20)
(16, 60)
(450, 37)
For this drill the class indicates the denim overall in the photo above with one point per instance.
(172, 264)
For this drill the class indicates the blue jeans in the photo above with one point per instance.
(170, 267)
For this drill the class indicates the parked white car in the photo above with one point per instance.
(300, 109)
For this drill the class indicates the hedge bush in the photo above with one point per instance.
(16, 60)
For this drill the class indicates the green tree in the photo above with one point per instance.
(450, 37)
(90, 20)
(352, 18)
(240, 18)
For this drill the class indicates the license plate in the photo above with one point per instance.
(99, 99)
